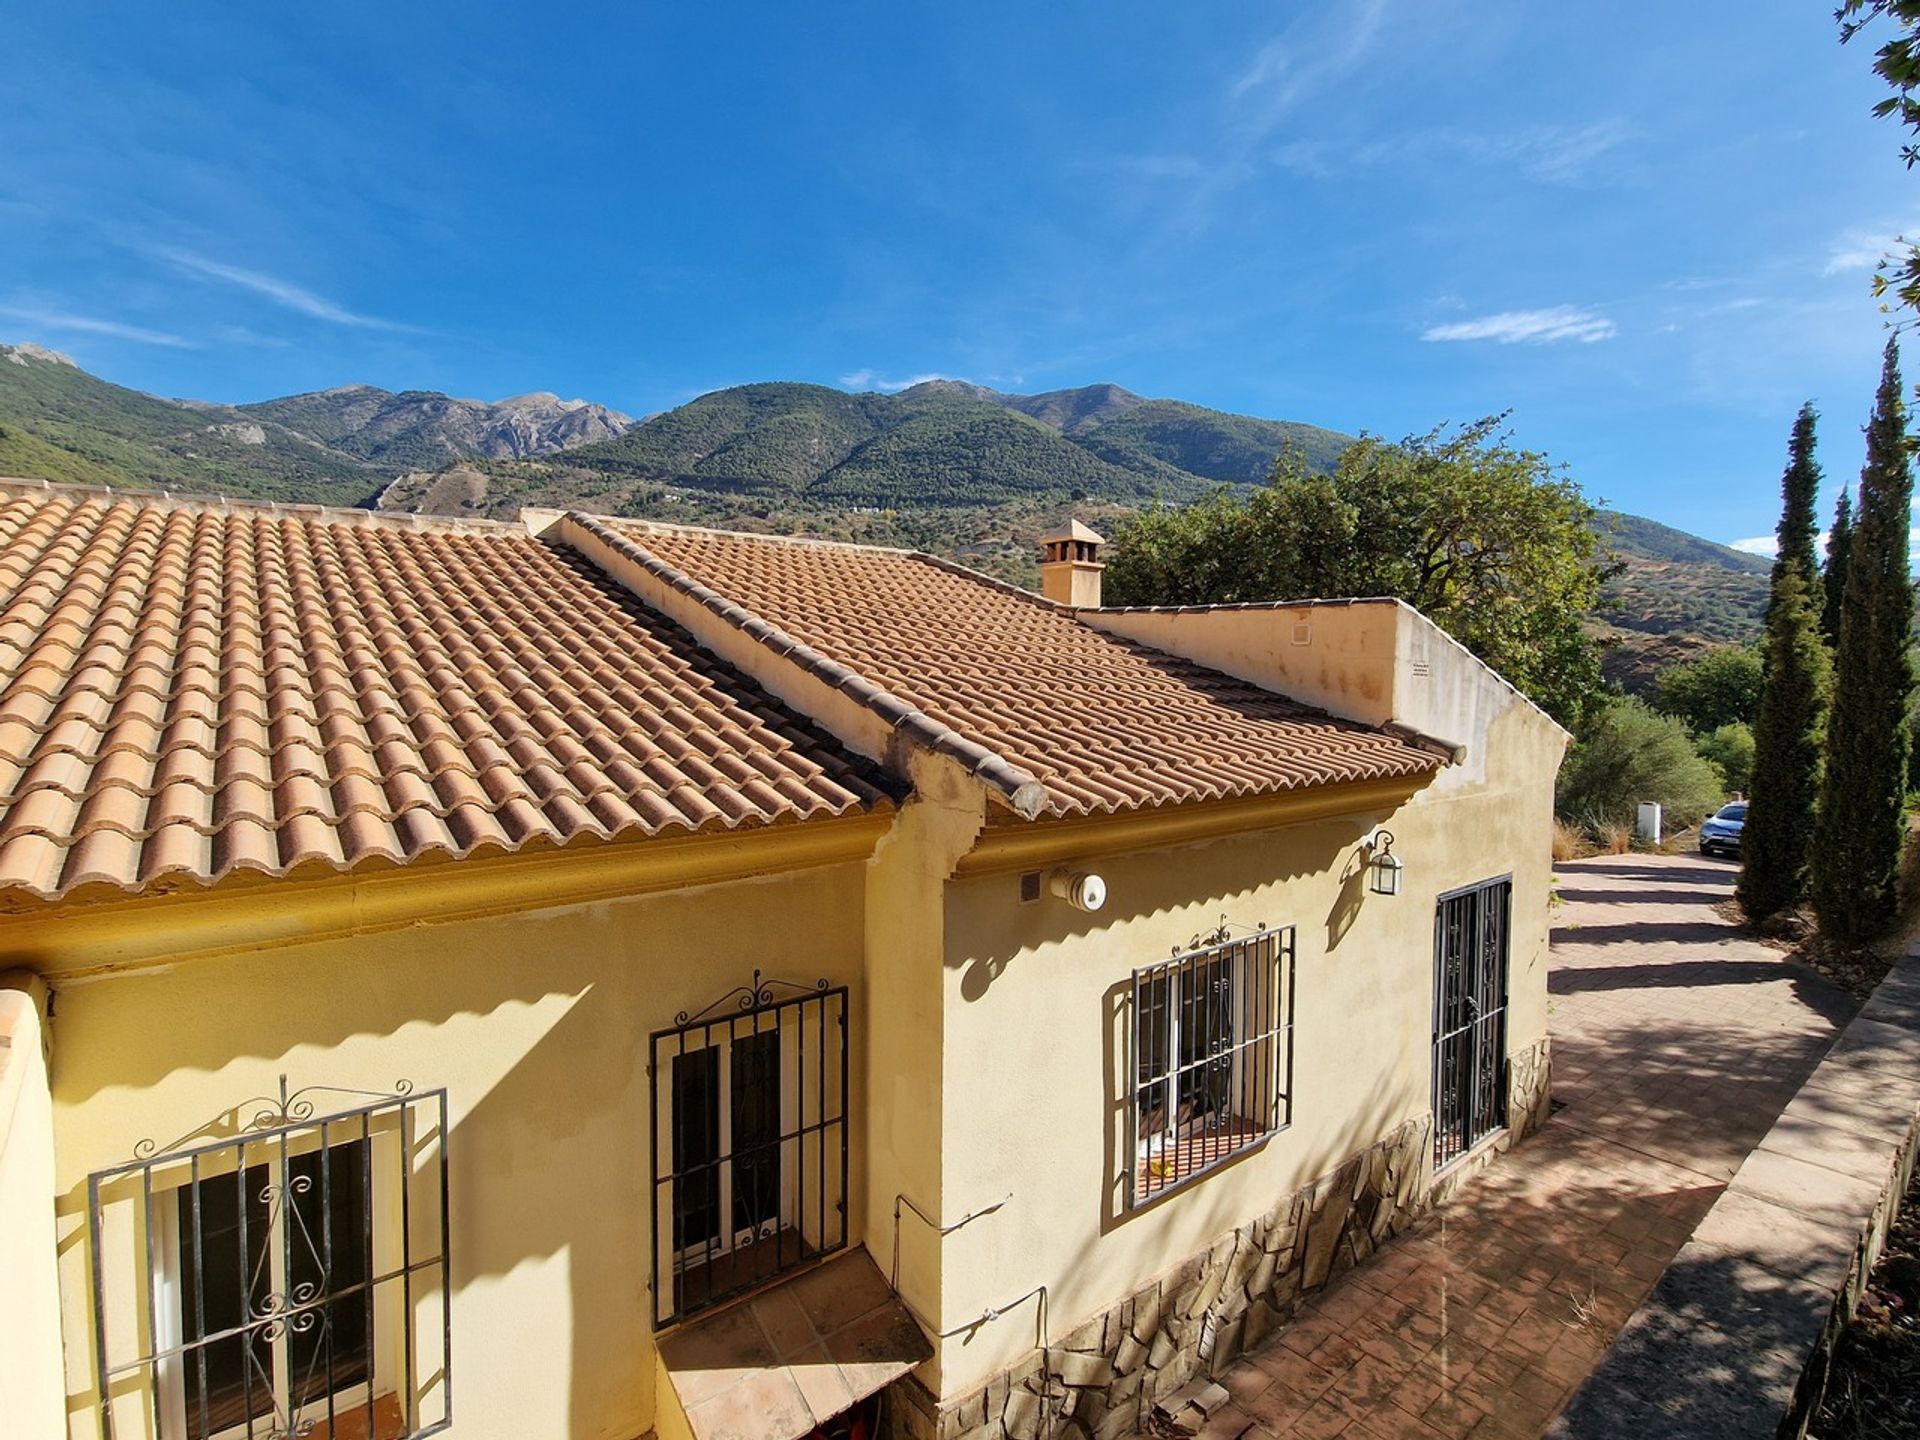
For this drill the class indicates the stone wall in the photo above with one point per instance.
(1101, 1381)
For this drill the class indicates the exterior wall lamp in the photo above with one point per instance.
(1387, 867)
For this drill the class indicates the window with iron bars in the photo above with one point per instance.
(749, 1142)
(1212, 1058)
(290, 1280)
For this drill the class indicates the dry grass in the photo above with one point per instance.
(1570, 842)
(1614, 839)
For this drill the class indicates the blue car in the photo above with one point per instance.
(1720, 833)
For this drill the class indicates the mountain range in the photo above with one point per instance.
(943, 465)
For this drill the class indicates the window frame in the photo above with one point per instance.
(811, 1149)
(1247, 1042)
(143, 1283)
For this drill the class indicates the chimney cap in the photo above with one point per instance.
(1073, 530)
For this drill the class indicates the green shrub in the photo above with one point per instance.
(1627, 754)
(1722, 687)
(1730, 750)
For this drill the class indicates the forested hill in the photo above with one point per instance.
(943, 466)
(948, 443)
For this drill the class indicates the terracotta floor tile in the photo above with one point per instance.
(1674, 1056)
(1322, 1421)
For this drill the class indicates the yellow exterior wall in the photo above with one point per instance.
(988, 1046)
(537, 1026)
(1337, 654)
(1037, 1043)
(903, 1046)
(31, 1403)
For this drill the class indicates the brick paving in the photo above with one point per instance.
(1676, 1043)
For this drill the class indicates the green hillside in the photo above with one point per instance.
(955, 454)
(60, 423)
(1230, 449)
(946, 442)
(945, 466)
(1650, 540)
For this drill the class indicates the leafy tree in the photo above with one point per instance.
(1722, 687)
(1787, 743)
(1730, 749)
(1627, 754)
(1490, 541)
(1861, 830)
(1897, 62)
(1839, 544)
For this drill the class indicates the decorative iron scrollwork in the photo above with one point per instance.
(1219, 935)
(762, 994)
(290, 1108)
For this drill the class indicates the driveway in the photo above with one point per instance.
(1676, 1043)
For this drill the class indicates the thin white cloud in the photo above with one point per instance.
(1529, 327)
(1307, 55)
(282, 292)
(1563, 155)
(67, 322)
(1549, 154)
(1859, 249)
(1769, 546)
(872, 380)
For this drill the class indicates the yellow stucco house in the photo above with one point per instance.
(582, 977)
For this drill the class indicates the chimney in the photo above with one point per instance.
(1070, 566)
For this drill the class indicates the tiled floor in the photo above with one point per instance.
(1676, 1043)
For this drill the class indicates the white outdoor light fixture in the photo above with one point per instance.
(1387, 867)
(1082, 891)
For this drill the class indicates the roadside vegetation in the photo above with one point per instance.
(1873, 1385)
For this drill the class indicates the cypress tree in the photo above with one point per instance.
(1787, 740)
(1790, 728)
(1861, 828)
(1839, 544)
(1799, 490)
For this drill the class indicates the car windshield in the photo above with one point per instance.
(1732, 812)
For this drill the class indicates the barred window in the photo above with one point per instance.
(1212, 1058)
(289, 1281)
(750, 1159)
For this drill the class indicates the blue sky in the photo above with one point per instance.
(1648, 231)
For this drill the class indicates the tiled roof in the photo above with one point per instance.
(189, 688)
(1102, 722)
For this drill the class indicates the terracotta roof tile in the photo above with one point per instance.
(1102, 722)
(189, 688)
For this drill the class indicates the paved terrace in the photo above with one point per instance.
(1676, 1044)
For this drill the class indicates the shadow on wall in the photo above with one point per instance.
(538, 1028)
(1232, 872)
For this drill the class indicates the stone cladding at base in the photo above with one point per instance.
(1101, 1380)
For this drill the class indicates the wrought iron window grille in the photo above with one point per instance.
(278, 1270)
(749, 1151)
(1470, 960)
(1211, 1057)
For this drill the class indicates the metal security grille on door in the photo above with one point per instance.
(1470, 1017)
(1212, 1061)
(288, 1281)
(749, 1142)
